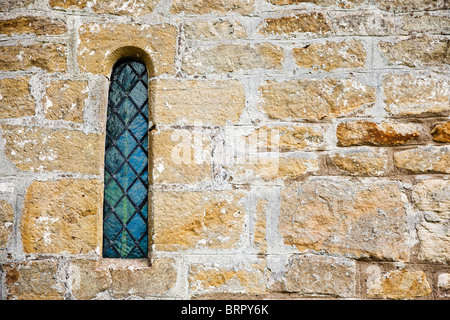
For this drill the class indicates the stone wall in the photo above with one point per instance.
(313, 139)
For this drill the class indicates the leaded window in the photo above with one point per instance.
(125, 209)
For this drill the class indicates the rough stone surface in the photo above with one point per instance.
(197, 102)
(432, 197)
(399, 284)
(363, 23)
(441, 132)
(6, 222)
(298, 149)
(444, 285)
(28, 24)
(321, 275)
(290, 167)
(65, 100)
(214, 29)
(290, 26)
(411, 5)
(241, 278)
(213, 6)
(417, 51)
(50, 57)
(39, 150)
(181, 156)
(411, 95)
(189, 220)
(314, 99)
(100, 42)
(144, 282)
(376, 134)
(61, 216)
(345, 217)
(15, 98)
(226, 58)
(342, 4)
(117, 7)
(423, 160)
(33, 280)
(68, 4)
(361, 162)
(331, 55)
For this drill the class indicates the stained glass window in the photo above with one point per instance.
(125, 209)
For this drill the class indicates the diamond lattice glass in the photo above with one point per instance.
(125, 209)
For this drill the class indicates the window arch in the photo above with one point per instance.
(125, 207)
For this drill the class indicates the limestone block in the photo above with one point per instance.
(45, 150)
(15, 98)
(314, 99)
(62, 216)
(50, 57)
(329, 55)
(364, 132)
(226, 58)
(361, 219)
(65, 100)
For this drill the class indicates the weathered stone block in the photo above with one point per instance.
(425, 23)
(360, 162)
(417, 51)
(363, 22)
(423, 160)
(444, 285)
(226, 58)
(214, 29)
(342, 4)
(118, 7)
(144, 281)
(40, 26)
(272, 168)
(100, 45)
(361, 219)
(239, 278)
(6, 222)
(441, 132)
(68, 4)
(15, 98)
(50, 57)
(64, 100)
(197, 102)
(415, 95)
(33, 280)
(204, 219)
(284, 138)
(364, 132)
(213, 6)
(314, 99)
(62, 216)
(321, 275)
(38, 149)
(181, 156)
(329, 55)
(398, 284)
(315, 23)
(411, 5)
(432, 197)
(8, 5)
(87, 281)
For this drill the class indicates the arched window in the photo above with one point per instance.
(125, 208)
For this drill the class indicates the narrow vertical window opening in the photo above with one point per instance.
(125, 208)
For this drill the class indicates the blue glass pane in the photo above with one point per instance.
(125, 226)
